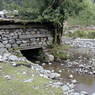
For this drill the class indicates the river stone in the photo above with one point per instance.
(65, 88)
(5, 56)
(54, 75)
(13, 58)
(76, 93)
(8, 45)
(5, 42)
(14, 64)
(49, 57)
(1, 45)
(71, 76)
(74, 81)
(3, 51)
(58, 84)
(28, 80)
(93, 93)
(0, 58)
(24, 73)
(84, 93)
(50, 63)
(43, 64)
(8, 77)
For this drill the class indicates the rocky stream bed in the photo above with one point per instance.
(18, 76)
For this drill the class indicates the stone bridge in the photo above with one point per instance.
(25, 35)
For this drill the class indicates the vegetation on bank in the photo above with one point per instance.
(86, 16)
(60, 51)
(16, 85)
(90, 34)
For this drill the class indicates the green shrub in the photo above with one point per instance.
(60, 52)
(86, 16)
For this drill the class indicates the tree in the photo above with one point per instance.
(54, 11)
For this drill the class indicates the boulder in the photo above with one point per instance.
(49, 57)
(8, 77)
(3, 51)
(13, 58)
(54, 75)
(1, 45)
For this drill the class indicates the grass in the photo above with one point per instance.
(17, 86)
(82, 34)
(60, 51)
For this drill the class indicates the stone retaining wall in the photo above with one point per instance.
(80, 43)
(18, 36)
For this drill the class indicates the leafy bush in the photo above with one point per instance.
(85, 16)
(60, 52)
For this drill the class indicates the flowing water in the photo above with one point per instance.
(85, 82)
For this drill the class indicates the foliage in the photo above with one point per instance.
(60, 52)
(55, 11)
(82, 34)
(72, 7)
(85, 16)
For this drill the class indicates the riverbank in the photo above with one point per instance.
(17, 74)
(22, 80)
(62, 75)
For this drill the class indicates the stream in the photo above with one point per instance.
(84, 82)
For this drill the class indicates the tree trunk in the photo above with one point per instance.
(58, 34)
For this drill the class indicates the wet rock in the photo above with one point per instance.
(60, 71)
(65, 88)
(43, 64)
(62, 64)
(57, 84)
(75, 63)
(93, 93)
(76, 93)
(50, 63)
(54, 75)
(71, 76)
(81, 66)
(74, 81)
(83, 93)
(94, 72)
(91, 73)
(71, 85)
